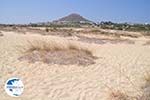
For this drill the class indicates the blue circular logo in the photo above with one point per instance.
(14, 87)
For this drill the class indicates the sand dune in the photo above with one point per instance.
(119, 67)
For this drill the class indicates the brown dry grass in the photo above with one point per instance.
(147, 77)
(147, 43)
(52, 52)
(122, 95)
(118, 95)
(1, 34)
(108, 33)
(146, 87)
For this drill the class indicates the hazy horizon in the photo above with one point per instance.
(32, 11)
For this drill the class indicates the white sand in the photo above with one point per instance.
(119, 67)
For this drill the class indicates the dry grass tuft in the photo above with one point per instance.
(43, 45)
(147, 43)
(146, 87)
(47, 30)
(118, 95)
(54, 52)
(1, 34)
(147, 78)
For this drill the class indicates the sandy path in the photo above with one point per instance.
(119, 67)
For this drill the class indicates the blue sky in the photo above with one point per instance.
(26, 11)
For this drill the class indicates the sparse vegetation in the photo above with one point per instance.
(146, 33)
(1, 34)
(70, 34)
(119, 95)
(53, 29)
(147, 43)
(147, 78)
(53, 53)
(114, 34)
(146, 87)
(47, 30)
(124, 26)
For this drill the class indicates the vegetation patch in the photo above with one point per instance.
(118, 95)
(147, 43)
(57, 54)
(146, 34)
(104, 40)
(59, 32)
(146, 87)
(125, 26)
(1, 34)
(112, 34)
